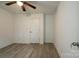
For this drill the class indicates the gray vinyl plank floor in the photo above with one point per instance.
(46, 50)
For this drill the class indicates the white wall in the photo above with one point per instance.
(22, 27)
(6, 28)
(49, 23)
(66, 28)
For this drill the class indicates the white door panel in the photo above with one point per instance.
(34, 30)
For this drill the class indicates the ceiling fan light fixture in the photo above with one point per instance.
(19, 3)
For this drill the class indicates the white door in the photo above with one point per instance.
(34, 29)
(27, 29)
(22, 29)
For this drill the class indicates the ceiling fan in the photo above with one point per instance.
(21, 4)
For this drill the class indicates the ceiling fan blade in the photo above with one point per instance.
(29, 5)
(23, 8)
(10, 3)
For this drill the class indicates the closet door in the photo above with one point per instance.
(22, 29)
(34, 29)
(28, 29)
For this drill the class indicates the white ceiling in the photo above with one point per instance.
(48, 7)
